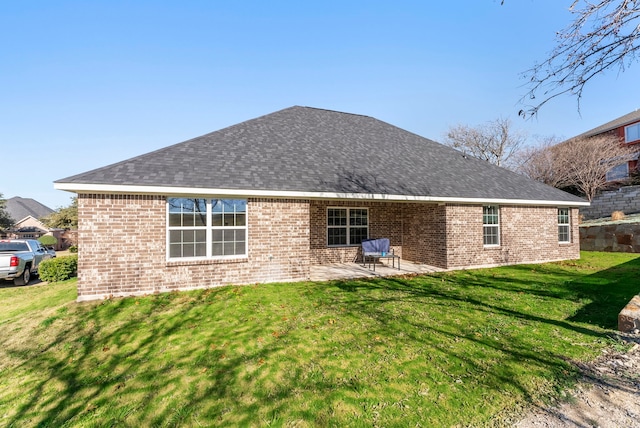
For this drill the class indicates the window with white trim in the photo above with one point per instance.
(564, 225)
(206, 228)
(491, 225)
(347, 226)
(632, 133)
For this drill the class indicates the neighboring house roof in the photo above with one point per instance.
(314, 153)
(627, 119)
(20, 208)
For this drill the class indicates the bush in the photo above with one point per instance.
(58, 269)
(73, 249)
(48, 240)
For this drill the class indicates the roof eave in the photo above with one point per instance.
(609, 126)
(247, 193)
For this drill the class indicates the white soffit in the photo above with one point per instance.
(189, 191)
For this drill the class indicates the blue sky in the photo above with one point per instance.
(84, 84)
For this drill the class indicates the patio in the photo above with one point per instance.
(333, 271)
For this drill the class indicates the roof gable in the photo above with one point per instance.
(30, 221)
(315, 151)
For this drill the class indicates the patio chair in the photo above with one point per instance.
(375, 249)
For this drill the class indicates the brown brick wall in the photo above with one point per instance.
(384, 222)
(527, 235)
(449, 236)
(424, 234)
(415, 230)
(122, 247)
(122, 241)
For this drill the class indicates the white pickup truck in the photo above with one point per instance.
(20, 258)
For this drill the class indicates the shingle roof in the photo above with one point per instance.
(19, 208)
(303, 149)
(627, 119)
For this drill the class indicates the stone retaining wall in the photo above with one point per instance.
(621, 237)
(629, 317)
(625, 199)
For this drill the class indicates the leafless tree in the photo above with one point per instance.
(540, 164)
(604, 34)
(581, 163)
(496, 142)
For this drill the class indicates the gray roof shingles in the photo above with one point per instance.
(19, 208)
(307, 149)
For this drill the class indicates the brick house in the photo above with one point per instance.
(627, 129)
(266, 199)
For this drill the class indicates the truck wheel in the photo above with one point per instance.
(24, 278)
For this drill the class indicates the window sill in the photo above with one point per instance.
(492, 247)
(200, 262)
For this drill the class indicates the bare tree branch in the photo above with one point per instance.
(539, 163)
(604, 35)
(496, 142)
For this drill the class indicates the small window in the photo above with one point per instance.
(632, 133)
(491, 226)
(619, 172)
(564, 225)
(347, 226)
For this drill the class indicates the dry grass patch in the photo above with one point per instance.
(617, 215)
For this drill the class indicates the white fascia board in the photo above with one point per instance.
(26, 218)
(191, 191)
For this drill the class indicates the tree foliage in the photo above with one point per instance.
(580, 163)
(603, 35)
(63, 218)
(496, 141)
(48, 240)
(5, 219)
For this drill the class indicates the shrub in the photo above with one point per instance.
(58, 269)
(48, 240)
(73, 249)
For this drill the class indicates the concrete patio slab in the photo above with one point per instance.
(334, 271)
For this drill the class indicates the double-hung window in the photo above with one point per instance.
(564, 225)
(347, 226)
(206, 228)
(491, 226)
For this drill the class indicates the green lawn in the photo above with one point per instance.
(461, 348)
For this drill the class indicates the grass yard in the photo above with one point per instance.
(452, 349)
